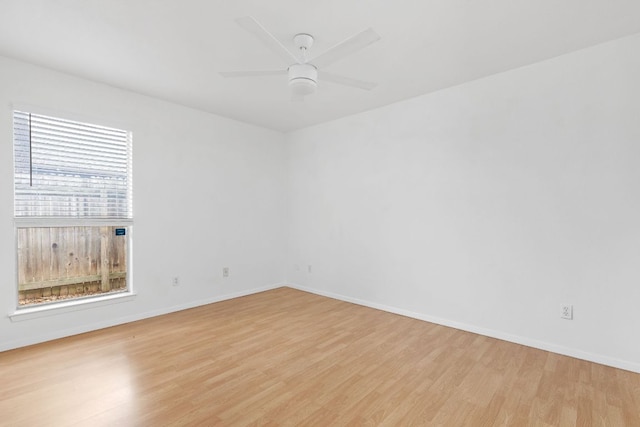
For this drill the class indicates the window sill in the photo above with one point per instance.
(68, 306)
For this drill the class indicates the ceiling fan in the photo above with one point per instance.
(303, 70)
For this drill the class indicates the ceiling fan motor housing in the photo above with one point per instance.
(303, 78)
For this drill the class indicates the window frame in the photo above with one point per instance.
(24, 312)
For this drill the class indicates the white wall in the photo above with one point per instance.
(208, 193)
(486, 206)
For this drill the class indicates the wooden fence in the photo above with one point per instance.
(65, 262)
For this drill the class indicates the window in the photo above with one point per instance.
(72, 208)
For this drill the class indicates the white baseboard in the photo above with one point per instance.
(48, 336)
(542, 345)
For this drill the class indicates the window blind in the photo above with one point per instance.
(68, 169)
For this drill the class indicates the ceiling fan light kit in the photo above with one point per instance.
(303, 72)
(303, 79)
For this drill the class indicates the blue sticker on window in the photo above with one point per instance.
(121, 231)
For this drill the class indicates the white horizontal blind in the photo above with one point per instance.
(67, 169)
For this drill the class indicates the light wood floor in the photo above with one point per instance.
(286, 357)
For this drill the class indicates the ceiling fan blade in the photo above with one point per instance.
(347, 81)
(252, 73)
(254, 27)
(346, 47)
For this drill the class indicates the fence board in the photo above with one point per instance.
(66, 281)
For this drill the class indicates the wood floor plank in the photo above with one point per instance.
(287, 358)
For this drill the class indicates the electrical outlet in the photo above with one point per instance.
(225, 272)
(175, 281)
(566, 311)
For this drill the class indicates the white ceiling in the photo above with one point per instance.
(173, 49)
